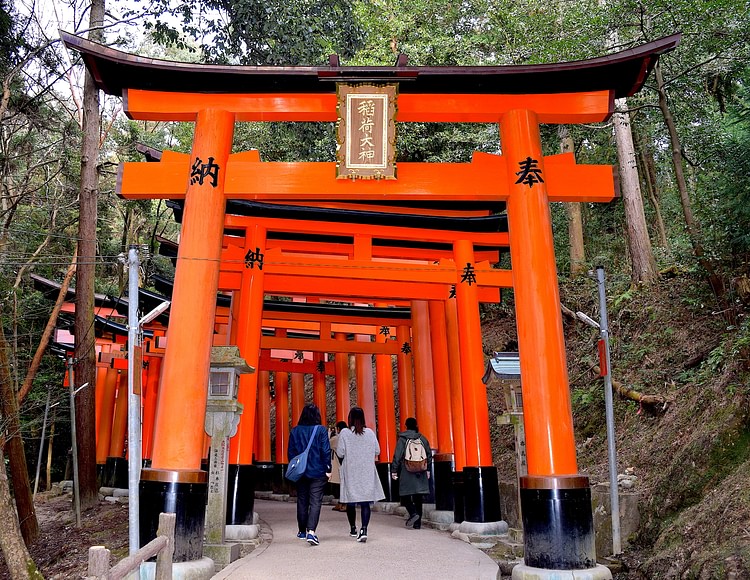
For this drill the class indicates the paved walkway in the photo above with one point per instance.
(392, 551)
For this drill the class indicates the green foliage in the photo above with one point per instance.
(626, 296)
(726, 191)
(259, 32)
(444, 142)
(582, 397)
(288, 141)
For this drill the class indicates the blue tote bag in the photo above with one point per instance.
(298, 464)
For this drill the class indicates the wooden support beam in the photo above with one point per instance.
(378, 252)
(484, 179)
(333, 289)
(330, 345)
(338, 318)
(303, 326)
(351, 272)
(490, 239)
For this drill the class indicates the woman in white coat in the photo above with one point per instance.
(357, 449)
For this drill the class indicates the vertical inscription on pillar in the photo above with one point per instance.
(366, 132)
(216, 465)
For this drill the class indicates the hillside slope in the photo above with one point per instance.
(691, 456)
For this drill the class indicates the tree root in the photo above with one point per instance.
(628, 393)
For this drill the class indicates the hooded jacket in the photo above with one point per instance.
(411, 483)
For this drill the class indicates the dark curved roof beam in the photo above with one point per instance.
(342, 245)
(623, 73)
(51, 289)
(251, 208)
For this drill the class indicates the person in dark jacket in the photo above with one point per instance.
(411, 486)
(310, 486)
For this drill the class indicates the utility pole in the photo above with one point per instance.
(609, 411)
(135, 366)
(41, 443)
(74, 442)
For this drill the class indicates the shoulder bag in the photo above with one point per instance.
(298, 464)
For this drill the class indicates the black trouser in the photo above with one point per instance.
(351, 513)
(309, 499)
(413, 504)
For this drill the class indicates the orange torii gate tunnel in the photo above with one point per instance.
(555, 498)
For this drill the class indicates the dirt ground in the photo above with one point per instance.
(61, 553)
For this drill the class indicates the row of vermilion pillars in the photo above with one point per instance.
(441, 385)
(438, 392)
(319, 387)
(386, 423)
(246, 333)
(112, 414)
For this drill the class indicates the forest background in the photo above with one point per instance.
(676, 247)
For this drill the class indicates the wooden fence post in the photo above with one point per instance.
(164, 557)
(98, 562)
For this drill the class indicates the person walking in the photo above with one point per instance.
(335, 479)
(311, 485)
(411, 466)
(360, 485)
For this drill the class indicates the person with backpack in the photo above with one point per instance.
(360, 485)
(311, 435)
(411, 466)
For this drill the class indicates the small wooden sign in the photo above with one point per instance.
(366, 132)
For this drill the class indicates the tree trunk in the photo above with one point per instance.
(85, 369)
(49, 450)
(42, 348)
(575, 216)
(122, 279)
(17, 557)
(693, 229)
(652, 188)
(639, 245)
(14, 446)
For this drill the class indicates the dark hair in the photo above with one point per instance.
(310, 415)
(411, 424)
(357, 420)
(340, 426)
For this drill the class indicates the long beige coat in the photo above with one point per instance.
(335, 463)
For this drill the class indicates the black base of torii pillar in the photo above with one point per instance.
(241, 494)
(183, 493)
(481, 494)
(558, 525)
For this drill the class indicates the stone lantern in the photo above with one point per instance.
(222, 417)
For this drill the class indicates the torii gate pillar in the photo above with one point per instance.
(555, 499)
(175, 482)
(242, 477)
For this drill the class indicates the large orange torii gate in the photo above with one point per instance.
(558, 528)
